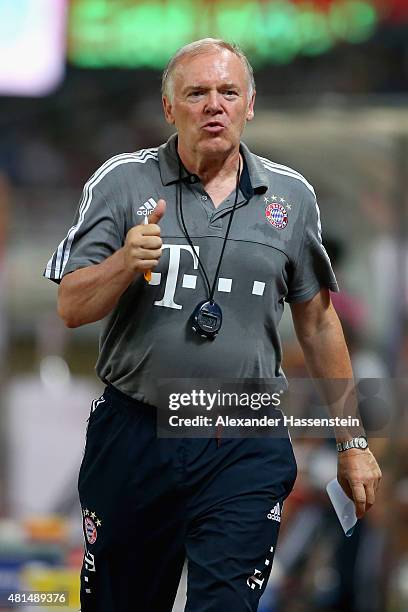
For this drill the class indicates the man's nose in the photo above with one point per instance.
(213, 102)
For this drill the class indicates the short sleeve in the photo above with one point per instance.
(93, 237)
(312, 269)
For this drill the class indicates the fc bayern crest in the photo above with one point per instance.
(90, 530)
(276, 215)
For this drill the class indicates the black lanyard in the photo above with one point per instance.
(211, 290)
(207, 316)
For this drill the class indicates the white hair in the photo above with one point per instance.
(198, 47)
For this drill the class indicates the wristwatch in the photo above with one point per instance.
(360, 442)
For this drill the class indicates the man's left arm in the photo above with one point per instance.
(320, 335)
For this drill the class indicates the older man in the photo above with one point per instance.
(201, 294)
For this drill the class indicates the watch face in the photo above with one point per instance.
(362, 442)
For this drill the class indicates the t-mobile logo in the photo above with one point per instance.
(173, 272)
(89, 561)
(224, 285)
(257, 579)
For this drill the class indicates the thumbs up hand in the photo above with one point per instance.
(142, 249)
(157, 213)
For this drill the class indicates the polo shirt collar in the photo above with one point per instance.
(169, 166)
(256, 170)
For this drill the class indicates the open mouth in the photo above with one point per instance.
(214, 127)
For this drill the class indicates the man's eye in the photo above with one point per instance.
(195, 94)
(230, 92)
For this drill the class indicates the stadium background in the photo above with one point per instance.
(79, 82)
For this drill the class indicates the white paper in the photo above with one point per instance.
(343, 505)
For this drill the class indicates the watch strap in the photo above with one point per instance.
(360, 443)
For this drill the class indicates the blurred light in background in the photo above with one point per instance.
(32, 46)
(54, 372)
(141, 33)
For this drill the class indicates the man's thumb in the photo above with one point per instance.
(158, 212)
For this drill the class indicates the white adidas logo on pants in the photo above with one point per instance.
(274, 514)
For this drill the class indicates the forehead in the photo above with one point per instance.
(209, 68)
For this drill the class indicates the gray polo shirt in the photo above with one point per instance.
(274, 254)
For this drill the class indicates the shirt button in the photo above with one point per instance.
(204, 197)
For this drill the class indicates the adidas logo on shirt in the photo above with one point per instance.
(147, 207)
(274, 514)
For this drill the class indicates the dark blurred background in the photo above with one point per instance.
(80, 82)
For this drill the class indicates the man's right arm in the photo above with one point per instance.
(89, 294)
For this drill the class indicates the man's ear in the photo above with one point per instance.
(250, 110)
(168, 110)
